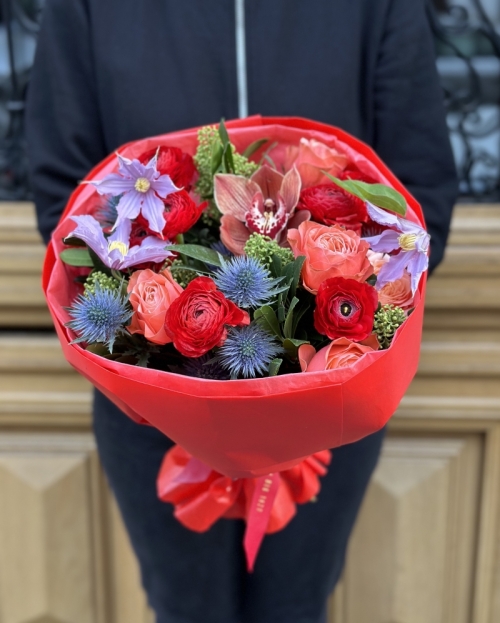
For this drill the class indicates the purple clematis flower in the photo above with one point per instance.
(141, 187)
(115, 251)
(411, 239)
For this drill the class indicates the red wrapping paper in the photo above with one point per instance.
(252, 427)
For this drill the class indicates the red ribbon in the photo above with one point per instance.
(261, 505)
(201, 495)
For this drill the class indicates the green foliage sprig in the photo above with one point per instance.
(387, 320)
(106, 282)
(216, 154)
(182, 274)
(262, 248)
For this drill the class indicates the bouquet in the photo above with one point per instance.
(252, 289)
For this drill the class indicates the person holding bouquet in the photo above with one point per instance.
(109, 73)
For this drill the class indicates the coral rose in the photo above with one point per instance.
(330, 252)
(173, 162)
(312, 158)
(329, 204)
(345, 308)
(340, 353)
(151, 294)
(196, 321)
(397, 292)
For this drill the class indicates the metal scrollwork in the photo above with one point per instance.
(19, 21)
(468, 45)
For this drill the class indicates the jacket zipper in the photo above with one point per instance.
(241, 58)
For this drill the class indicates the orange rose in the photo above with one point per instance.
(397, 292)
(330, 252)
(341, 353)
(311, 158)
(151, 294)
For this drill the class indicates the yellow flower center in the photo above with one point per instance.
(142, 184)
(407, 241)
(121, 246)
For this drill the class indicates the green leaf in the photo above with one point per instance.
(274, 366)
(224, 136)
(217, 153)
(292, 273)
(197, 252)
(287, 327)
(98, 349)
(297, 315)
(268, 158)
(281, 313)
(380, 195)
(372, 280)
(276, 265)
(99, 264)
(143, 359)
(228, 159)
(255, 146)
(292, 347)
(266, 316)
(266, 154)
(76, 257)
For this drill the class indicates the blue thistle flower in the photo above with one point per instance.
(246, 282)
(221, 248)
(248, 351)
(107, 213)
(99, 316)
(205, 367)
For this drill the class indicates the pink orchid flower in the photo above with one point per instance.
(264, 204)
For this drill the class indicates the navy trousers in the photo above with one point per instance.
(201, 578)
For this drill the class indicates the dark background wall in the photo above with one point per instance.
(467, 34)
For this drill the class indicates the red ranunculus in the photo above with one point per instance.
(353, 173)
(181, 213)
(331, 205)
(196, 321)
(345, 308)
(174, 162)
(140, 229)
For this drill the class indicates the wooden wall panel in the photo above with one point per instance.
(51, 569)
(426, 546)
(128, 598)
(411, 558)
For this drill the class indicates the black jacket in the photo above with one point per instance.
(107, 72)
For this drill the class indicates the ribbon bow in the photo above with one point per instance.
(201, 495)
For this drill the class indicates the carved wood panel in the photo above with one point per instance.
(51, 545)
(411, 557)
(128, 598)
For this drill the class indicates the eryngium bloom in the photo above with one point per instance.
(248, 351)
(205, 367)
(99, 316)
(246, 282)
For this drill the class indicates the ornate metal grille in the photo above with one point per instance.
(467, 34)
(19, 21)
